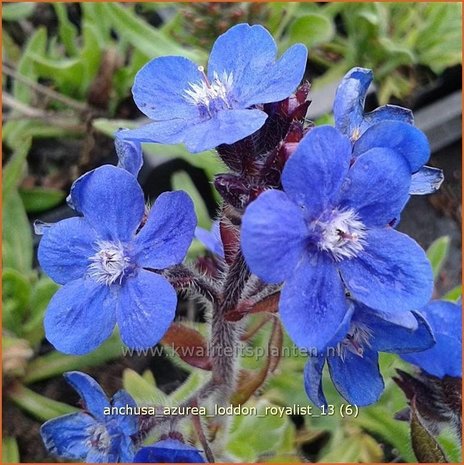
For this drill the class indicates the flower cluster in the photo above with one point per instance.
(308, 220)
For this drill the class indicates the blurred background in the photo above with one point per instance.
(67, 74)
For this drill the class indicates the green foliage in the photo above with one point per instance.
(438, 253)
(10, 451)
(255, 438)
(398, 41)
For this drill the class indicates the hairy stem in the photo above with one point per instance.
(225, 334)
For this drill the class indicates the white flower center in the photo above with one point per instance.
(99, 438)
(342, 235)
(210, 96)
(358, 337)
(109, 264)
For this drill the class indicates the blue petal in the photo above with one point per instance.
(145, 310)
(313, 380)
(312, 303)
(128, 423)
(159, 89)
(111, 200)
(67, 436)
(226, 127)
(426, 181)
(387, 113)
(377, 186)
(211, 239)
(126, 450)
(249, 54)
(357, 378)
(166, 236)
(391, 337)
(129, 153)
(95, 400)
(445, 357)
(392, 273)
(401, 137)
(276, 83)
(65, 248)
(349, 101)
(169, 451)
(97, 456)
(314, 173)
(273, 236)
(80, 316)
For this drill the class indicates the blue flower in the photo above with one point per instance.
(94, 435)
(353, 359)
(327, 232)
(169, 451)
(106, 261)
(211, 239)
(445, 357)
(352, 121)
(203, 110)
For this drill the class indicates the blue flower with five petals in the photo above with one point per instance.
(92, 435)
(388, 126)
(169, 451)
(445, 357)
(221, 106)
(327, 231)
(106, 260)
(353, 358)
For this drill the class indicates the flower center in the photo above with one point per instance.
(109, 264)
(355, 341)
(99, 438)
(342, 234)
(210, 97)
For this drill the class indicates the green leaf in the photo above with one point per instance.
(13, 172)
(454, 294)
(182, 181)
(143, 391)
(17, 235)
(42, 292)
(149, 40)
(437, 253)
(40, 199)
(16, 297)
(17, 11)
(311, 29)
(10, 450)
(378, 420)
(55, 363)
(66, 29)
(425, 446)
(259, 434)
(184, 391)
(40, 407)
(35, 45)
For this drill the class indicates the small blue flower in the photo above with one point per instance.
(445, 358)
(105, 261)
(211, 239)
(327, 232)
(203, 110)
(352, 121)
(92, 435)
(169, 451)
(353, 359)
